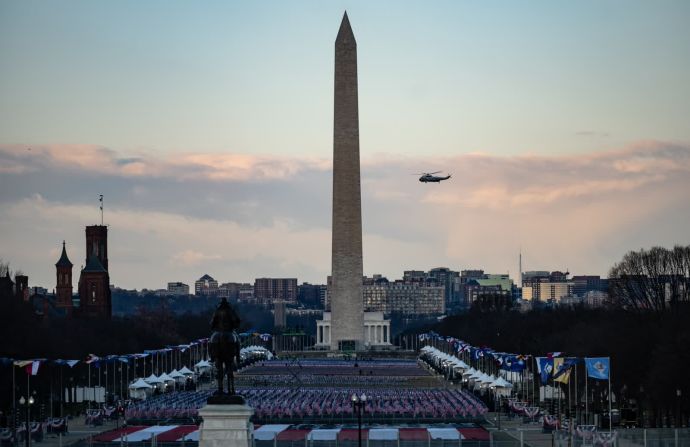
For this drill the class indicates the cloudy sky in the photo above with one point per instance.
(208, 128)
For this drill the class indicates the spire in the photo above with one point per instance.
(64, 260)
(345, 34)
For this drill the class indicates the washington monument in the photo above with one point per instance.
(347, 325)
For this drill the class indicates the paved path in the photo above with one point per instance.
(78, 430)
(513, 429)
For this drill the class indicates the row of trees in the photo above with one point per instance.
(657, 279)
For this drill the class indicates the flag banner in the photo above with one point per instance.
(32, 367)
(22, 363)
(545, 366)
(71, 363)
(598, 367)
(561, 370)
(91, 358)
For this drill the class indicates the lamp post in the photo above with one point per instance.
(358, 404)
(24, 402)
(678, 422)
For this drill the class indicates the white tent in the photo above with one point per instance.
(139, 389)
(186, 371)
(154, 381)
(179, 378)
(167, 380)
(202, 366)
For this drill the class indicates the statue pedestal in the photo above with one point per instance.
(225, 426)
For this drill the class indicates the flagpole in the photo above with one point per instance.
(610, 413)
(89, 365)
(14, 401)
(586, 393)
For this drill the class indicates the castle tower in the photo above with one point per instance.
(94, 280)
(347, 319)
(97, 243)
(21, 287)
(63, 287)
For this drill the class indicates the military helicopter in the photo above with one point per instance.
(429, 177)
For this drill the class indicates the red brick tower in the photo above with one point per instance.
(63, 287)
(94, 281)
(97, 243)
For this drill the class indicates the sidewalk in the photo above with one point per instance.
(77, 430)
(513, 429)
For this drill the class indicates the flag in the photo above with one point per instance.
(91, 358)
(561, 370)
(32, 367)
(22, 363)
(598, 367)
(71, 363)
(545, 367)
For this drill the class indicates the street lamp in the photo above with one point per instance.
(28, 404)
(678, 394)
(358, 404)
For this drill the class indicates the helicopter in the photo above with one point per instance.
(429, 177)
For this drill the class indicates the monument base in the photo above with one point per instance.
(225, 426)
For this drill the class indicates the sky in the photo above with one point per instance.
(208, 128)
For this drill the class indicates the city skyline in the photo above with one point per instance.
(222, 164)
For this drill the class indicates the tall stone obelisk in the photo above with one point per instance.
(347, 309)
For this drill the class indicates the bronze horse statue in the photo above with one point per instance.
(224, 345)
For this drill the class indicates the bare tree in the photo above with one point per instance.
(656, 279)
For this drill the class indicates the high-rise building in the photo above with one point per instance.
(268, 290)
(178, 289)
(206, 285)
(449, 280)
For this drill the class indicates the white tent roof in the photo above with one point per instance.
(186, 371)
(486, 378)
(203, 363)
(139, 384)
(175, 374)
(166, 378)
(469, 372)
(501, 383)
(153, 379)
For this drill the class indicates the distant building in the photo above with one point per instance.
(279, 314)
(178, 289)
(246, 293)
(63, 287)
(403, 298)
(311, 295)
(595, 298)
(231, 290)
(94, 280)
(206, 285)
(544, 286)
(267, 290)
(476, 284)
(450, 281)
(588, 283)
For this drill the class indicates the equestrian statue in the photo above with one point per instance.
(224, 349)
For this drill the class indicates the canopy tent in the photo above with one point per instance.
(202, 366)
(175, 374)
(140, 389)
(138, 384)
(186, 371)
